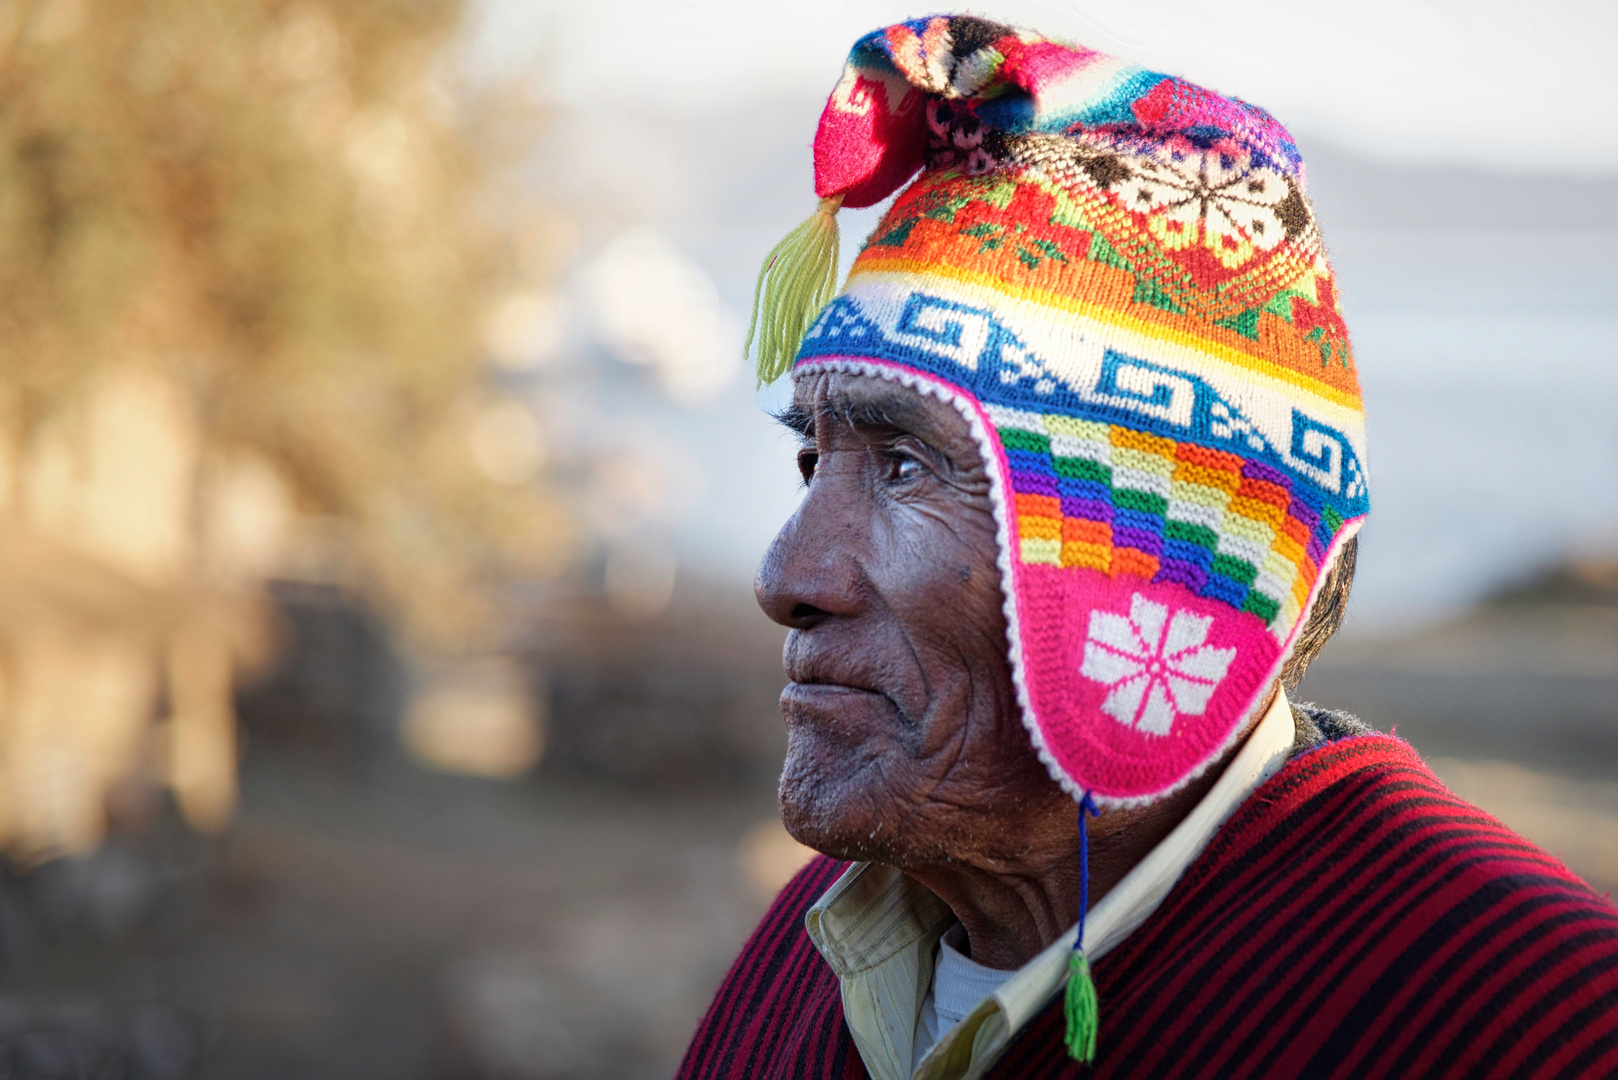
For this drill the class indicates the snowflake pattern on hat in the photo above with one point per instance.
(1155, 667)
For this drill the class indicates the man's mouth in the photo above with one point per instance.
(830, 699)
(823, 691)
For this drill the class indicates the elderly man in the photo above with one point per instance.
(1083, 457)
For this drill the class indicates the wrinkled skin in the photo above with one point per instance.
(905, 742)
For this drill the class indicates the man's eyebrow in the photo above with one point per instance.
(797, 419)
(858, 414)
(868, 414)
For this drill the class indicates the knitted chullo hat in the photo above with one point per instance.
(1116, 277)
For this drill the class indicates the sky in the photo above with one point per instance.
(1518, 86)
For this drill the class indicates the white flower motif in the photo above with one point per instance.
(1155, 675)
(1230, 206)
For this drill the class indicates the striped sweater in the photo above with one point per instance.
(1352, 919)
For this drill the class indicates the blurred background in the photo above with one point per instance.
(381, 691)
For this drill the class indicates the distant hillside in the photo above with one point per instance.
(1582, 581)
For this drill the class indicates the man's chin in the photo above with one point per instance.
(832, 815)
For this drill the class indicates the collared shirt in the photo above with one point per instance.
(879, 931)
(959, 983)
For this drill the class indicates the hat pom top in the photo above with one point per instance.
(875, 133)
(956, 93)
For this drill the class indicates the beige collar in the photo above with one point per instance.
(879, 931)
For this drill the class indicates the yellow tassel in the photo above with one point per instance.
(796, 281)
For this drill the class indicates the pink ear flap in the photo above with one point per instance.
(872, 136)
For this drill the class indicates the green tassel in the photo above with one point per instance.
(1081, 1009)
(796, 281)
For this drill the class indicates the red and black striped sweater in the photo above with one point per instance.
(1352, 919)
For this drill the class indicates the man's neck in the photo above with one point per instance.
(1013, 907)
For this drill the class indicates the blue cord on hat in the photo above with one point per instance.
(1080, 1006)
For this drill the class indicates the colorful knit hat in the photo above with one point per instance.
(1116, 277)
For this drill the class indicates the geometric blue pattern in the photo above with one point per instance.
(970, 347)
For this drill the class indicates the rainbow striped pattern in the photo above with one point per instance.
(1105, 497)
(1118, 277)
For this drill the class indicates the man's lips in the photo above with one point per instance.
(830, 699)
(824, 692)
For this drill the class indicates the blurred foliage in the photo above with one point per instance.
(274, 205)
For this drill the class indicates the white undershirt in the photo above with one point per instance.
(959, 984)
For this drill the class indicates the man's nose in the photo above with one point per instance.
(812, 570)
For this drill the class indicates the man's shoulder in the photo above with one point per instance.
(1385, 926)
(1356, 918)
(778, 1012)
(799, 894)
(780, 938)
(1365, 814)
(1367, 801)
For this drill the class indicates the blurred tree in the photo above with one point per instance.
(243, 279)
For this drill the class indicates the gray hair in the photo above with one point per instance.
(1325, 616)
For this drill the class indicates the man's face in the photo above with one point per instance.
(905, 744)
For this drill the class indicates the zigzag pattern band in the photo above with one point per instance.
(1121, 501)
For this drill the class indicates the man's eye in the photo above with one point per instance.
(807, 462)
(904, 468)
